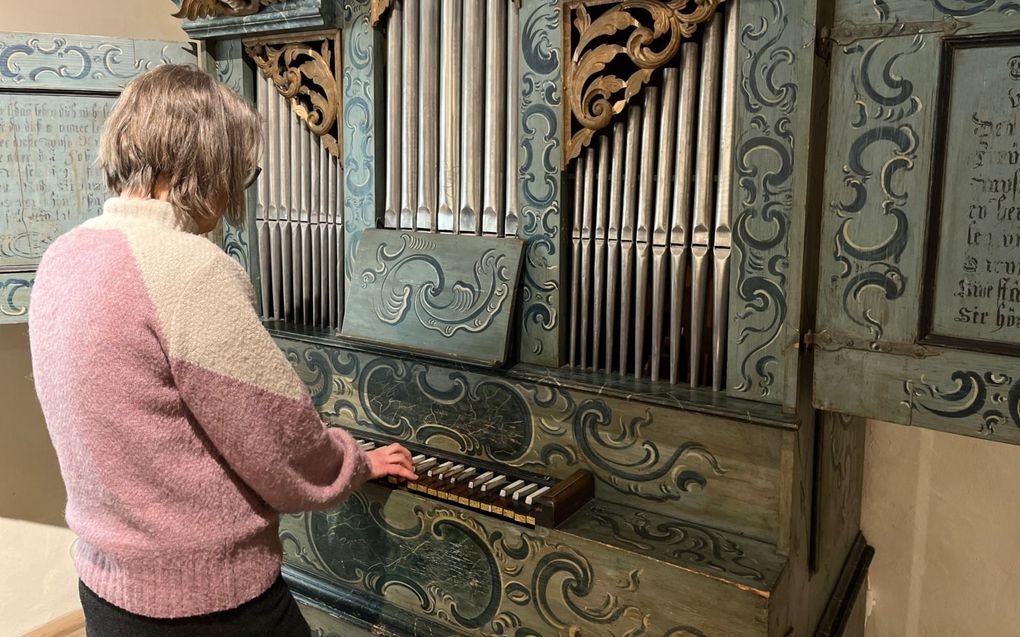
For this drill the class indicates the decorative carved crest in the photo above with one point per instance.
(195, 9)
(644, 34)
(305, 73)
(379, 7)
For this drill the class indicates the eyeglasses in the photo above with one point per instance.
(254, 175)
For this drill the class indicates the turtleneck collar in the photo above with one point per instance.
(152, 210)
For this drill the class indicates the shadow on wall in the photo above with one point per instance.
(30, 485)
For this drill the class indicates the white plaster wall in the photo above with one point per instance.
(942, 512)
(37, 579)
(141, 19)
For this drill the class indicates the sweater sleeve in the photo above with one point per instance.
(250, 402)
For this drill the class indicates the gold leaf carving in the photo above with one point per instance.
(195, 9)
(379, 7)
(305, 73)
(645, 33)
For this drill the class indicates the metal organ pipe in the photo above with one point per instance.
(660, 228)
(472, 113)
(262, 213)
(495, 116)
(679, 233)
(299, 227)
(508, 225)
(651, 214)
(642, 240)
(633, 141)
(575, 288)
(600, 227)
(651, 235)
(275, 177)
(613, 242)
(701, 232)
(449, 118)
(394, 101)
(587, 247)
(453, 116)
(721, 233)
(409, 116)
(428, 116)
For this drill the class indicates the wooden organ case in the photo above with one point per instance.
(615, 210)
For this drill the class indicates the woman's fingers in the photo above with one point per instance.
(398, 449)
(403, 472)
(392, 460)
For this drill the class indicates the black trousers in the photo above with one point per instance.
(274, 613)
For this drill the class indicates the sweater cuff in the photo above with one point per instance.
(362, 467)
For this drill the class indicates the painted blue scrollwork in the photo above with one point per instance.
(638, 461)
(13, 296)
(886, 138)
(539, 178)
(470, 306)
(994, 397)
(88, 63)
(360, 59)
(518, 423)
(761, 228)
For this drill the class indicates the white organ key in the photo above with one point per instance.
(531, 498)
(510, 488)
(481, 479)
(452, 471)
(367, 446)
(525, 490)
(424, 464)
(466, 473)
(417, 458)
(438, 470)
(492, 484)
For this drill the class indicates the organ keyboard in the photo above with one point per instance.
(521, 496)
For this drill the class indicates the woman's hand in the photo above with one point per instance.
(391, 460)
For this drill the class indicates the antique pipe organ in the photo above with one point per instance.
(624, 275)
(558, 250)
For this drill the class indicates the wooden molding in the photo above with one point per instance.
(70, 625)
(195, 9)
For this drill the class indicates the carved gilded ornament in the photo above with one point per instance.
(195, 9)
(647, 32)
(379, 7)
(305, 73)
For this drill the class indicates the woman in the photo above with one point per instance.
(181, 430)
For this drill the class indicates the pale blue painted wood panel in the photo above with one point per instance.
(1000, 15)
(362, 137)
(445, 295)
(772, 165)
(875, 200)
(540, 183)
(47, 61)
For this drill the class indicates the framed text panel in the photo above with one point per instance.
(55, 94)
(972, 300)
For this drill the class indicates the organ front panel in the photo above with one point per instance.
(557, 249)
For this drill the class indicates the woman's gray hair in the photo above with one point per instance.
(177, 123)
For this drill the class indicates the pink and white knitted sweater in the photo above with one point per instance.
(180, 427)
